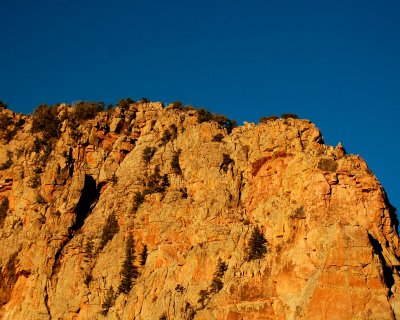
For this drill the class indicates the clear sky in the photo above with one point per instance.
(336, 63)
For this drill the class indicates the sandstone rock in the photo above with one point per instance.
(332, 241)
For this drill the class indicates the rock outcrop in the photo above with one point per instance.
(189, 195)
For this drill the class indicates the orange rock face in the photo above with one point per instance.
(65, 217)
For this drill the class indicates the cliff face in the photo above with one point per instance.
(190, 206)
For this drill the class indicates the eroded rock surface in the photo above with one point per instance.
(333, 248)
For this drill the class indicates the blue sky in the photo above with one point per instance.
(336, 63)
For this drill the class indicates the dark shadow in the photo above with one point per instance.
(387, 271)
(89, 196)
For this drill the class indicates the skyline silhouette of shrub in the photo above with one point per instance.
(148, 153)
(203, 115)
(84, 110)
(110, 228)
(257, 245)
(176, 168)
(289, 116)
(3, 105)
(269, 118)
(125, 103)
(129, 270)
(45, 119)
(226, 161)
(177, 105)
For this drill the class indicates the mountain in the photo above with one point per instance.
(151, 212)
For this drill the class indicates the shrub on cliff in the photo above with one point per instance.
(3, 105)
(226, 161)
(175, 162)
(45, 120)
(266, 119)
(84, 110)
(138, 199)
(257, 245)
(109, 230)
(148, 153)
(327, 165)
(4, 205)
(129, 270)
(108, 302)
(289, 116)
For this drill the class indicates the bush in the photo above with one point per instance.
(289, 116)
(109, 230)
(40, 199)
(266, 119)
(148, 154)
(166, 137)
(35, 181)
(156, 183)
(6, 165)
(129, 270)
(3, 105)
(4, 206)
(216, 285)
(257, 245)
(88, 278)
(143, 256)
(138, 199)
(125, 103)
(89, 249)
(203, 115)
(221, 268)
(204, 297)
(226, 161)
(176, 168)
(184, 193)
(108, 302)
(218, 137)
(85, 110)
(176, 105)
(45, 120)
(327, 165)
(5, 122)
(179, 288)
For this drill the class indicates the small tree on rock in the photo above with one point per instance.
(257, 245)
(129, 270)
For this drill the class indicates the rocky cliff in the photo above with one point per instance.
(146, 212)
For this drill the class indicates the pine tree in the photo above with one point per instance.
(257, 245)
(129, 270)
